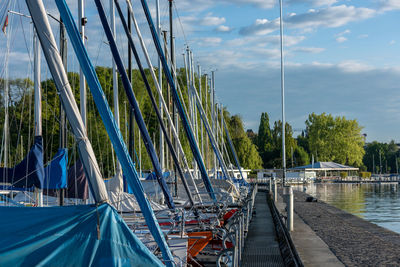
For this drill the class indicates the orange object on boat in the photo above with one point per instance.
(198, 241)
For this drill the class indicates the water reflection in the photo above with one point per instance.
(377, 203)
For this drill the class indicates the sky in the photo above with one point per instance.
(341, 57)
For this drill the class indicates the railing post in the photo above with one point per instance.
(288, 197)
(275, 191)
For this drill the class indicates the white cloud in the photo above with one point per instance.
(315, 2)
(392, 42)
(223, 28)
(330, 17)
(341, 39)
(343, 32)
(260, 27)
(387, 5)
(208, 41)
(210, 20)
(354, 66)
(312, 50)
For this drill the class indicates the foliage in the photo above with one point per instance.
(365, 175)
(335, 139)
(381, 157)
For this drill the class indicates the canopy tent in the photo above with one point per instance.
(325, 166)
(95, 236)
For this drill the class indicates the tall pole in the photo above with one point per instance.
(206, 96)
(283, 97)
(213, 117)
(131, 145)
(115, 77)
(201, 98)
(38, 100)
(63, 124)
(173, 70)
(162, 160)
(82, 81)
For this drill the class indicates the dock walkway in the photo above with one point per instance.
(261, 247)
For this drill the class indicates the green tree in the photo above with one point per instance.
(335, 139)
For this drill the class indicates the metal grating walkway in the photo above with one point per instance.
(261, 248)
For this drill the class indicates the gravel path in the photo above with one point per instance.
(354, 241)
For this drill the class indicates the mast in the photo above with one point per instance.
(115, 80)
(201, 97)
(38, 100)
(283, 97)
(82, 82)
(6, 98)
(213, 117)
(63, 125)
(159, 33)
(131, 145)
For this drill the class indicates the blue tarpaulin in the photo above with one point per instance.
(29, 172)
(55, 174)
(69, 236)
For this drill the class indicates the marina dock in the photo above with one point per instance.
(261, 246)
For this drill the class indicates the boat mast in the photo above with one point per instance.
(38, 100)
(201, 97)
(159, 33)
(131, 145)
(213, 117)
(283, 97)
(63, 125)
(82, 82)
(115, 80)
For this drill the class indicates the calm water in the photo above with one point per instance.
(377, 203)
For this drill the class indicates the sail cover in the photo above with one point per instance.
(29, 172)
(55, 174)
(68, 236)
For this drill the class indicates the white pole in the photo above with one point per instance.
(213, 117)
(162, 160)
(115, 79)
(82, 80)
(283, 97)
(201, 124)
(38, 99)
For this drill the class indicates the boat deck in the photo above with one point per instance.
(261, 247)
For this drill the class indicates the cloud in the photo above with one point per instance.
(312, 50)
(392, 42)
(354, 66)
(388, 5)
(208, 41)
(223, 28)
(341, 39)
(362, 36)
(210, 20)
(330, 17)
(260, 27)
(314, 2)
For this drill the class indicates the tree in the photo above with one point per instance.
(246, 150)
(381, 157)
(335, 139)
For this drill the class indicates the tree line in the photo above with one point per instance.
(325, 138)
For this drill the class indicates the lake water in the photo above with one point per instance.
(377, 203)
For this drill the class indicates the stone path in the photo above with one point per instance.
(356, 242)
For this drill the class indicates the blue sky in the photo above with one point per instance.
(342, 57)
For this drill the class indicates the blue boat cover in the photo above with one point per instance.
(55, 174)
(29, 172)
(69, 236)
